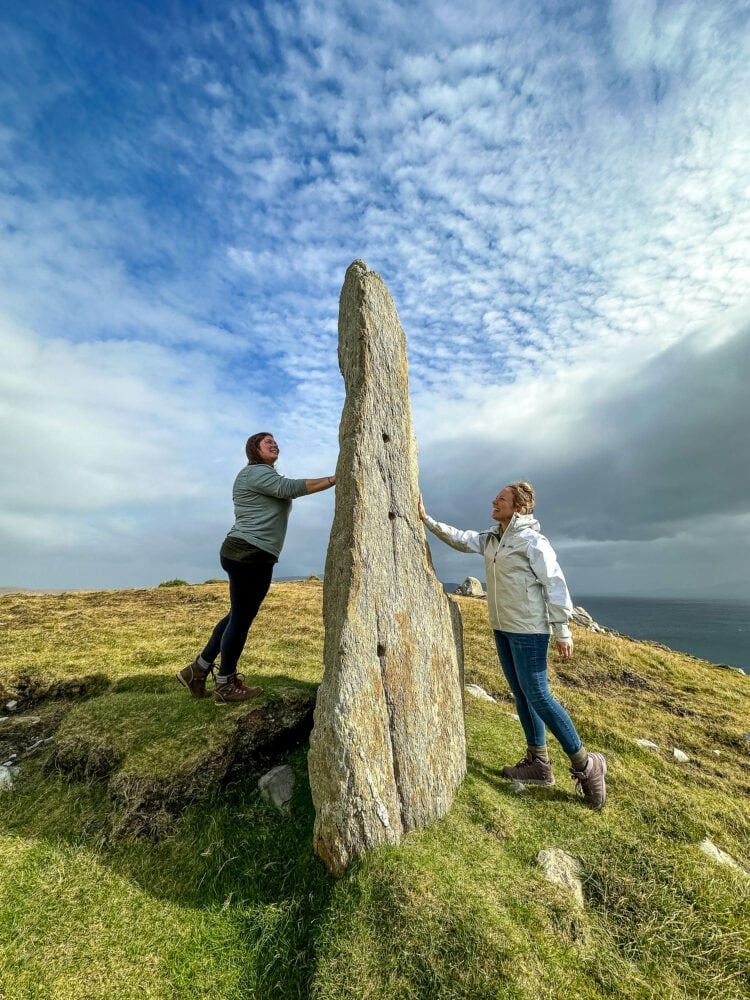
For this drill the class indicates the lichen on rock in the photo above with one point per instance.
(387, 750)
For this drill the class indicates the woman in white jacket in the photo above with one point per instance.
(527, 598)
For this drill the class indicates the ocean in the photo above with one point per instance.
(714, 630)
(718, 631)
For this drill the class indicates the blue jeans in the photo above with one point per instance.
(523, 657)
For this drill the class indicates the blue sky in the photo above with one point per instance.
(556, 195)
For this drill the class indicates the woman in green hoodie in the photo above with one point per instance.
(262, 503)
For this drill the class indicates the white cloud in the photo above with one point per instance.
(554, 201)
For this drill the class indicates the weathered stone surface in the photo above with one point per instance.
(387, 750)
(562, 869)
(471, 587)
(720, 857)
(277, 786)
(478, 692)
(7, 777)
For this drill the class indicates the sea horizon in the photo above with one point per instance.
(715, 629)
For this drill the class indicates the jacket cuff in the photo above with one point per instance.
(562, 632)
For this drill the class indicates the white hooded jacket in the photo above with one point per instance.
(526, 589)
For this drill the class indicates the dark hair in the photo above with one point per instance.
(251, 448)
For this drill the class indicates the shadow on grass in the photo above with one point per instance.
(235, 853)
(493, 777)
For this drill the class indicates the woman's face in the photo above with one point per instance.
(503, 506)
(268, 449)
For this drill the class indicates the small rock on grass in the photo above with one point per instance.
(478, 692)
(721, 857)
(680, 755)
(562, 869)
(7, 778)
(647, 743)
(11, 706)
(277, 786)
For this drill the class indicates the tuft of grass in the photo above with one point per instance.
(228, 900)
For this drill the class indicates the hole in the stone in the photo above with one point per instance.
(391, 515)
(381, 649)
(386, 437)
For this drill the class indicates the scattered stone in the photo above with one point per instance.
(36, 744)
(4, 718)
(514, 715)
(721, 857)
(478, 692)
(680, 756)
(6, 778)
(562, 869)
(518, 787)
(388, 749)
(471, 587)
(581, 617)
(647, 743)
(717, 753)
(11, 706)
(277, 786)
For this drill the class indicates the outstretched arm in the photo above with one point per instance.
(464, 541)
(318, 485)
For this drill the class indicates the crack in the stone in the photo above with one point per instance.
(382, 654)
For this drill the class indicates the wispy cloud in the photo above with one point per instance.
(557, 200)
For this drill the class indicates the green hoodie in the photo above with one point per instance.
(262, 502)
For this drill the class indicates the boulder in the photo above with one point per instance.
(581, 617)
(277, 786)
(387, 750)
(471, 587)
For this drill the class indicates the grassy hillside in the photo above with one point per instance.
(218, 895)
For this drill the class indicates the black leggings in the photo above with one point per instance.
(248, 585)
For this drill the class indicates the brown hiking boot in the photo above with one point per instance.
(530, 771)
(193, 677)
(233, 691)
(590, 781)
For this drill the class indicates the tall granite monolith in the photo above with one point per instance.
(387, 750)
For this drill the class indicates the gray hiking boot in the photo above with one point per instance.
(590, 781)
(530, 771)
(233, 691)
(193, 677)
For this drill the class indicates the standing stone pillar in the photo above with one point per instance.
(387, 750)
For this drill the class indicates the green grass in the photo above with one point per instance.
(228, 900)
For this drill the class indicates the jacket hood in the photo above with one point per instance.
(519, 521)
